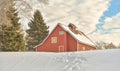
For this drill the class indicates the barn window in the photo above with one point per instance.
(53, 39)
(61, 32)
(83, 48)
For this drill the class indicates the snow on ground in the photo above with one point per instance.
(99, 60)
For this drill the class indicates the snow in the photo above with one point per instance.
(80, 38)
(99, 60)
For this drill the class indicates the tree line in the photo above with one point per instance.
(12, 37)
(104, 45)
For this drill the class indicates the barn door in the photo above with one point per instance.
(61, 48)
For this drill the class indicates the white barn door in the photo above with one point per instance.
(61, 48)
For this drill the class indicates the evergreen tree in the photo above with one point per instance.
(37, 32)
(12, 34)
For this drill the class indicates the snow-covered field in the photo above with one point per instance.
(100, 60)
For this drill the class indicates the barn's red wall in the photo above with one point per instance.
(71, 42)
(47, 46)
(84, 47)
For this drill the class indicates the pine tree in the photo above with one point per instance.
(38, 30)
(12, 34)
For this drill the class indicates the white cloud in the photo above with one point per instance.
(84, 14)
(113, 22)
(114, 37)
(112, 25)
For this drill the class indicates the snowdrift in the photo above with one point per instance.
(99, 60)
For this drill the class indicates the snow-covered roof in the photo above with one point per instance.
(81, 38)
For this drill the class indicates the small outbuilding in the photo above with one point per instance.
(66, 39)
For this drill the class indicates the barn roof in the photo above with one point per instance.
(81, 38)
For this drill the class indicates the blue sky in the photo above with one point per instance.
(114, 8)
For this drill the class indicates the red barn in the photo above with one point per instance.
(66, 39)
